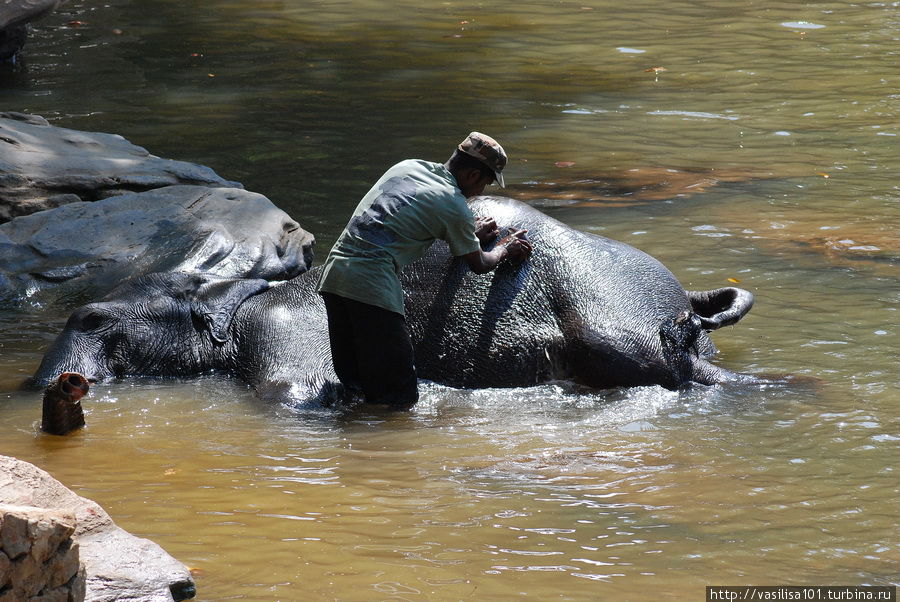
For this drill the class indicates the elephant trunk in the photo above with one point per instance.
(62, 412)
(706, 373)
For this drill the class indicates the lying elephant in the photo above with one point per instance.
(582, 308)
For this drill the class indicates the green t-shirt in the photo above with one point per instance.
(413, 204)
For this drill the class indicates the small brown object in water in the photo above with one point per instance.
(62, 411)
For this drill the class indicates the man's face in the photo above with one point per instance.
(472, 183)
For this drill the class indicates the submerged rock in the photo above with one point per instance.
(635, 185)
(844, 240)
(118, 565)
(814, 235)
(82, 250)
(43, 166)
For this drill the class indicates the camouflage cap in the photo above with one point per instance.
(488, 151)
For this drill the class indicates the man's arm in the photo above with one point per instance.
(514, 246)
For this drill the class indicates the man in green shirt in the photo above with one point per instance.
(413, 204)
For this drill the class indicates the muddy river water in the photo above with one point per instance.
(754, 142)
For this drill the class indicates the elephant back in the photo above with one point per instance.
(580, 307)
(599, 276)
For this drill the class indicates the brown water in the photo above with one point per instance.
(765, 152)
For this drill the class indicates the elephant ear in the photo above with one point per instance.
(216, 300)
(720, 307)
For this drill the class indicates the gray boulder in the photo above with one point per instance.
(81, 250)
(14, 18)
(43, 166)
(118, 565)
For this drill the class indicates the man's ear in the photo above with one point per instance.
(215, 301)
(461, 176)
(473, 178)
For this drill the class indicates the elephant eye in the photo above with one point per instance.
(88, 320)
(92, 321)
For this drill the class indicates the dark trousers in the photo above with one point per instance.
(372, 351)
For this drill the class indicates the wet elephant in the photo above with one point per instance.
(582, 308)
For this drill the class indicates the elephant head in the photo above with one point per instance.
(164, 324)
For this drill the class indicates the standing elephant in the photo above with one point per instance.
(583, 308)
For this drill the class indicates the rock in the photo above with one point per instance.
(43, 166)
(17, 12)
(81, 250)
(86, 210)
(4, 568)
(117, 565)
(14, 18)
(14, 536)
(39, 560)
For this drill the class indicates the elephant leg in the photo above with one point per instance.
(62, 412)
(720, 307)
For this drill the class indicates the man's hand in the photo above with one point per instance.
(486, 229)
(518, 247)
(514, 247)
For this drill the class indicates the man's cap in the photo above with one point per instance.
(488, 151)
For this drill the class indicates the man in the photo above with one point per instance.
(414, 203)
